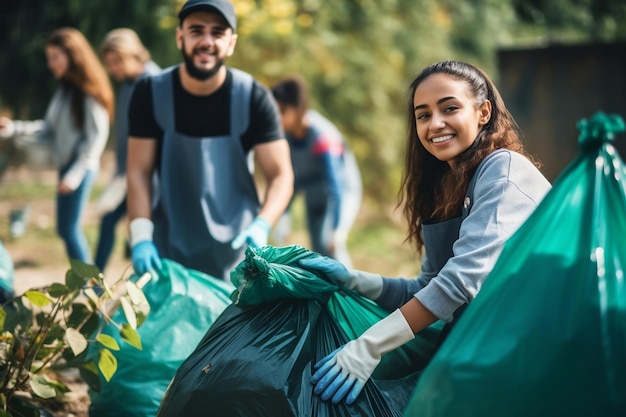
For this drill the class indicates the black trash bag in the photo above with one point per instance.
(273, 273)
(258, 361)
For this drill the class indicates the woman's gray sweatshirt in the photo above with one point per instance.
(79, 150)
(508, 189)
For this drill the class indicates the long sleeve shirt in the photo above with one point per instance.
(76, 150)
(508, 189)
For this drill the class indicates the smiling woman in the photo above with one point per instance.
(447, 117)
(467, 184)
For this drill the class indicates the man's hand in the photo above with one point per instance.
(254, 235)
(145, 256)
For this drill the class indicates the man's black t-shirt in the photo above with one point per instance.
(204, 116)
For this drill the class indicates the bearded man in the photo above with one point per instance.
(199, 128)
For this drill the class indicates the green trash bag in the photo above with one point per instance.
(257, 358)
(184, 303)
(271, 273)
(546, 335)
(6, 275)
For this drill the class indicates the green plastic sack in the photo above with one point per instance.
(258, 361)
(184, 304)
(546, 335)
(6, 275)
(257, 358)
(272, 273)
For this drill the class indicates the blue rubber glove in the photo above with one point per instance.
(343, 373)
(367, 284)
(254, 235)
(146, 258)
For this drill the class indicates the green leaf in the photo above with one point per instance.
(55, 333)
(3, 316)
(74, 281)
(41, 386)
(84, 270)
(89, 374)
(107, 341)
(90, 326)
(79, 313)
(76, 340)
(129, 313)
(38, 298)
(131, 336)
(22, 407)
(107, 363)
(57, 290)
(140, 303)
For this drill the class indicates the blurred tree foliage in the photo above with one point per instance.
(358, 56)
(574, 20)
(26, 85)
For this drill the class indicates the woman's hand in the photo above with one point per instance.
(63, 188)
(4, 122)
(367, 284)
(343, 374)
(6, 125)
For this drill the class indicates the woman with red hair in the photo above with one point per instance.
(77, 125)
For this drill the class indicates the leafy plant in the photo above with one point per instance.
(59, 327)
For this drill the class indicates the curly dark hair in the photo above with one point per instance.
(430, 189)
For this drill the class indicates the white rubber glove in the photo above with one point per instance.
(365, 283)
(345, 371)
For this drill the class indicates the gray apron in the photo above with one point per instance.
(439, 239)
(207, 193)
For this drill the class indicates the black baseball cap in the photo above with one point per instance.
(223, 7)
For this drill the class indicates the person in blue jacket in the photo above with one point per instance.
(197, 125)
(468, 185)
(126, 60)
(325, 172)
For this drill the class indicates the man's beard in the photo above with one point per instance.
(199, 73)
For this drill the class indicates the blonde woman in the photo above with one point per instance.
(126, 60)
(77, 124)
